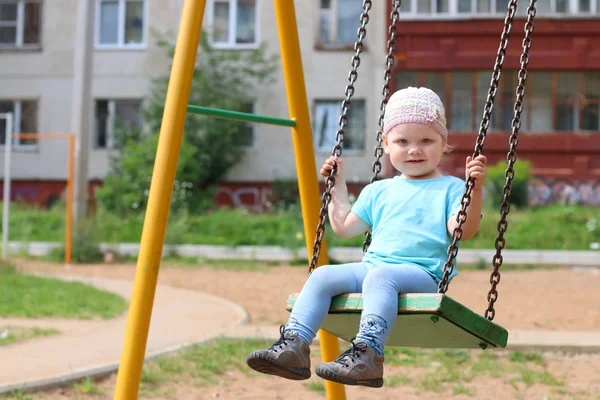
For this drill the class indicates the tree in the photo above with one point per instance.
(210, 148)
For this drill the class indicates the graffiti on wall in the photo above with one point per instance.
(258, 198)
(542, 191)
(255, 198)
(547, 191)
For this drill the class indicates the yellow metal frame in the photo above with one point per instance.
(70, 176)
(163, 176)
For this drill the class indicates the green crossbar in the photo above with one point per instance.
(227, 114)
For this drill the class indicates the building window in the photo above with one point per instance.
(234, 23)
(590, 101)
(24, 121)
(452, 9)
(20, 23)
(460, 113)
(120, 23)
(113, 114)
(339, 21)
(554, 100)
(566, 102)
(326, 124)
(539, 102)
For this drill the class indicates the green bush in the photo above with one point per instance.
(210, 146)
(550, 227)
(85, 245)
(285, 193)
(496, 179)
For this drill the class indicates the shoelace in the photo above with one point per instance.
(352, 353)
(282, 340)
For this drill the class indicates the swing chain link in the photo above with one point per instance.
(461, 217)
(511, 158)
(386, 90)
(339, 137)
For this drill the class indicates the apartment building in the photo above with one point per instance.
(36, 78)
(451, 46)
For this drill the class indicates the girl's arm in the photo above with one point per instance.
(344, 223)
(471, 224)
(477, 169)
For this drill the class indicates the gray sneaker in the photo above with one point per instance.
(359, 365)
(289, 357)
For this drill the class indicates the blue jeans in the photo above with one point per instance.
(380, 286)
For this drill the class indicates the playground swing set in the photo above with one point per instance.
(425, 320)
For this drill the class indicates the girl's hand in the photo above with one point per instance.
(477, 169)
(340, 174)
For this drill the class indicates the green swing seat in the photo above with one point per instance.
(424, 320)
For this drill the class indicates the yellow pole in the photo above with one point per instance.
(161, 188)
(70, 176)
(305, 159)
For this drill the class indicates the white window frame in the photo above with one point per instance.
(20, 24)
(121, 45)
(110, 120)
(333, 25)
(453, 14)
(17, 111)
(574, 8)
(338, 102)
(332, 11)
(232, 23)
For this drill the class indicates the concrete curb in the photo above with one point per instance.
(343, 254)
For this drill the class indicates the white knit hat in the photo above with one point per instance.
(420, 105)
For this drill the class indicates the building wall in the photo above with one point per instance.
(426, 45)
(565, 163)
(326, 76)
(46, 75)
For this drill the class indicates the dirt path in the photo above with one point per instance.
(550, 300)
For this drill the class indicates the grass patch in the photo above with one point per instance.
(14, 334)
(203, 365)
(452, 370)
(18, 395)
(438, 371)
(396, 380)
(462, 389)
(34, 297)
(87, 386)
(316, 387)
(529, 228)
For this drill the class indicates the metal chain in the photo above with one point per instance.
(386, 90)
(339, 137)
(511, 159)
(483, 127)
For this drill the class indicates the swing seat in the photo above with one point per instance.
(424, 320)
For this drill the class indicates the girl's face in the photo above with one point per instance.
(415, 150)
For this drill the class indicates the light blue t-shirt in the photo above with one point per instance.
(409, 220)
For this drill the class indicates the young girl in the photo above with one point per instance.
(412, 217)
